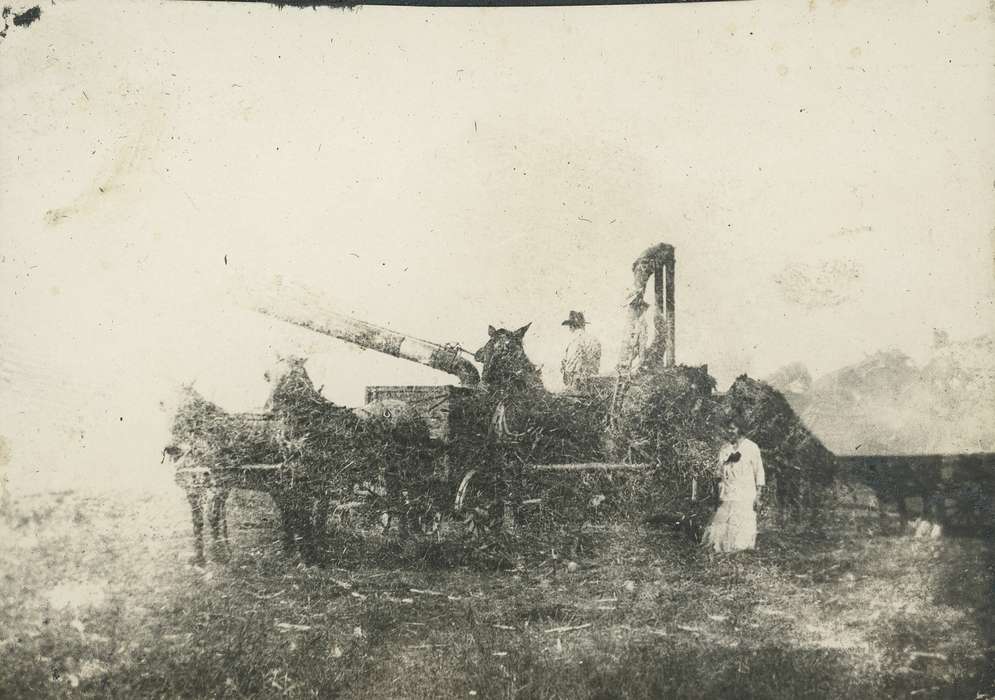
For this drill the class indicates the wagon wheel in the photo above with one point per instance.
(461, 492)
(487, 510)
(471, 515)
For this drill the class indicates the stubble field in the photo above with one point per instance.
(97, 599)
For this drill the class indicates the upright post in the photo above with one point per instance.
(659, 317)
(671, 356)
(655, 261)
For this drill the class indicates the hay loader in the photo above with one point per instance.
(445, 409)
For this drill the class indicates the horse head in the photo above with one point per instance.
(291, 384)
(284, 365)
(506, 366)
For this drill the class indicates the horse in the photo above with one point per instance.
(508, 372)
(302, 513)
(526, 423)
(215, 452)
(523, 412)
(301, 452)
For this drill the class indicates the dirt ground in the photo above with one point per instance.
(97, 599)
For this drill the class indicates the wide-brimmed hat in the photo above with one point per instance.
(576, 320)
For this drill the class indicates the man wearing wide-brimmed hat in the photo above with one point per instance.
(582, 358)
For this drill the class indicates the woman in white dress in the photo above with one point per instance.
(741, 482)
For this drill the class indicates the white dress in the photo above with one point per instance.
(734, 525)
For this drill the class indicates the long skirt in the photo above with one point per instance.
(733, 528)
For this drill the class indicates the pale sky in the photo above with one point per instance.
(825, 170)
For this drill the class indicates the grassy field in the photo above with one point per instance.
(97, 600)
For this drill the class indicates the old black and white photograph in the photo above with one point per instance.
(501, 349)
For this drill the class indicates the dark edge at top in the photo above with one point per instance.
(462, 3)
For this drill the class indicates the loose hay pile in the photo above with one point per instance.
(800, 470)
(666, 418)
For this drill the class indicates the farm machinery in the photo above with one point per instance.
(491, 435)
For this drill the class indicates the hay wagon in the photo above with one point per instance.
(446, 409)
(450, 412)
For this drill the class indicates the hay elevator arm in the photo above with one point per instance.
(446, 358)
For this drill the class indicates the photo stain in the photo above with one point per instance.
(27, 17)
(821, 285)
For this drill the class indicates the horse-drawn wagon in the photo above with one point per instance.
(215, 452)
(467, 453)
